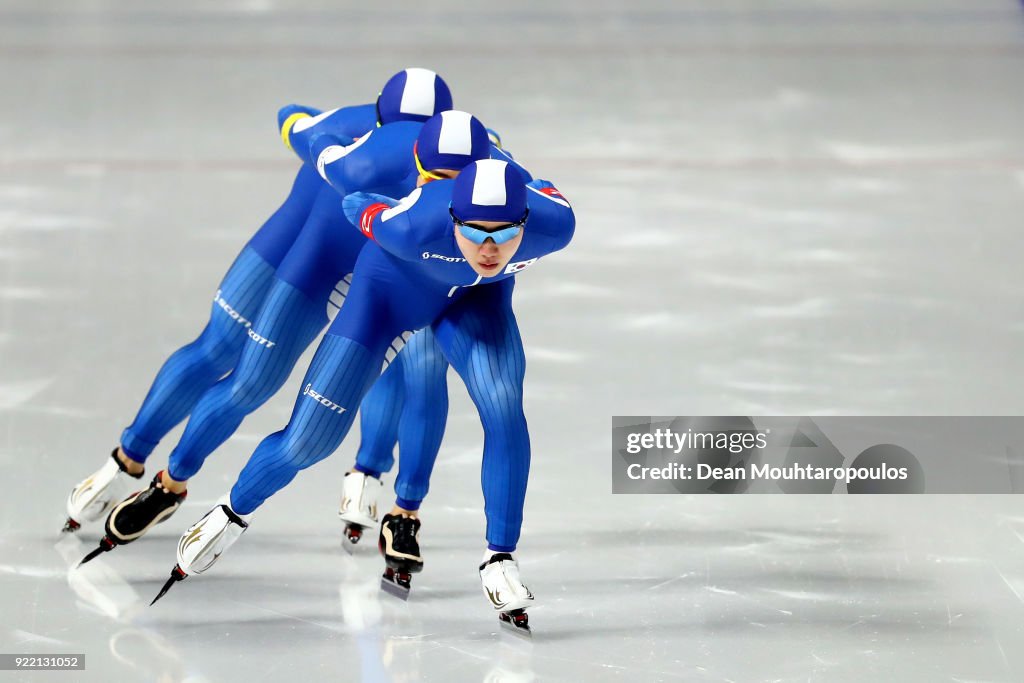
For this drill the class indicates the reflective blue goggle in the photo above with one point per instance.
(479, 235)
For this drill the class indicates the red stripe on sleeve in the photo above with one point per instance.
(366, 220)
(552, 192)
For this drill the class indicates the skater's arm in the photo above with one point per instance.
(288, 118)
(383, 220)
(400, 227)
(299, 124)
(551, 215)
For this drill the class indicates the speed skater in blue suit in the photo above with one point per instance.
(409, 402)
(444, 256)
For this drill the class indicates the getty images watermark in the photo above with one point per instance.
(817, 455)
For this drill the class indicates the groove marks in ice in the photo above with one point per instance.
(28, 221)
(873, 154)
(19, 393)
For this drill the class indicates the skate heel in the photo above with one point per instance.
(399, 544)
(516, 622)
(396, 582)
(353, 534)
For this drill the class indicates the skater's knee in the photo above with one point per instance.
(216, 348)
(507, 397)
(425, 407)
(303, 448)
(425, 368)
(249, 391)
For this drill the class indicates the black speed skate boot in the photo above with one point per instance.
(138, 513)
(399, 544)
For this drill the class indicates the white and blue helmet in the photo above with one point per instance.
(489, 190)
(413, 95)
(453, 140)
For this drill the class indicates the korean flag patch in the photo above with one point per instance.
(518, 266)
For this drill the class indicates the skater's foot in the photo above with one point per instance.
(397, 582)
(206, 540)
(517, 621)
(354, 532)
(503, 588)
(139, 513)
(93, 497)
(399, 542)
(359, 495)
(172, 484)
(130, 466)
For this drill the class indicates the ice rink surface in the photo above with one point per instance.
(796, 207)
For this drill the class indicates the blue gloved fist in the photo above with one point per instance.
(354, 204)
(289, 109)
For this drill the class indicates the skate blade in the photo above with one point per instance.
(510, 627)
(524, 633)
(176, 575)
(392, 588)
(106, 545)
(348, 544)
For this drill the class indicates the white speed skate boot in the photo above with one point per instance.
(93, 497)
(205, 541)
(358, 510)
(499, 575)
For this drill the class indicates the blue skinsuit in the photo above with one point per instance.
(409, 403)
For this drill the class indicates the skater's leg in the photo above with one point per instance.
(414, 416)
(480, 337)
(316, 270)
(194, 368)
(421, 428)
(276, 236)
(286, 325)
(379, 413)
(190, 371)
(379, 416)
(344, 367)
(424, 414)
(340, 375)
(381, 302)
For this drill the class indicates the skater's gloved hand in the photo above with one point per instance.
(288, 115)
(539, 184)
(355, 204)
(494, 137)
(547, 188)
